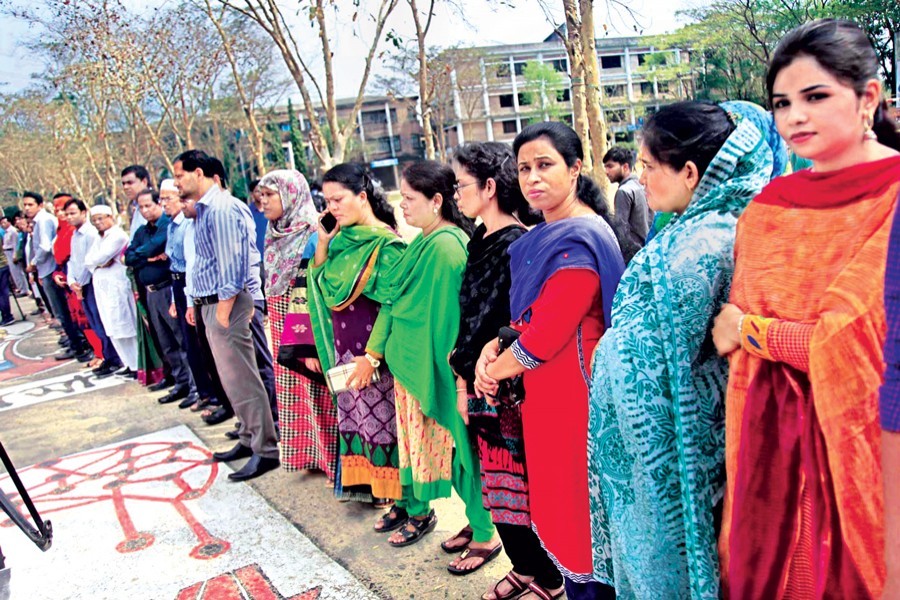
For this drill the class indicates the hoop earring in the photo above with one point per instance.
(869, 134)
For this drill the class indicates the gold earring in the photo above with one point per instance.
(869, 123)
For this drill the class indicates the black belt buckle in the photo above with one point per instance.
(206, 300)
(177, 276)
(159, 286)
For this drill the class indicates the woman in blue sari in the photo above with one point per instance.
(656, 438)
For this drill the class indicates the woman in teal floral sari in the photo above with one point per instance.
(657, 431)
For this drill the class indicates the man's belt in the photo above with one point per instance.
(159, 286)
(206, 300)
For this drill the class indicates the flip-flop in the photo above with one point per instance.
(543, 594)
(487, 555)
(519, 588)
(465, 533)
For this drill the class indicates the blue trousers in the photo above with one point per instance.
(89, 303)
(593, 590)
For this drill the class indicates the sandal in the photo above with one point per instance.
(486, 555)
(465, 533)
(420, 528)
(389, 523)
(519, 588)
(543, 594)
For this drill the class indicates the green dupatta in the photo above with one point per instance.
(420, 325)
(359, 260)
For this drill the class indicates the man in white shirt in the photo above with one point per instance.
(79, 280)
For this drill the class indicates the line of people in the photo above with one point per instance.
(694, 418)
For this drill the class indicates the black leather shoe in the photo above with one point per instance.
(66, 355)
(84, 356)
(106, 370)
(189, 401)
(161, 385)
(256, 466)
(219, 416)
(233, 434)
(174, 396)
(239, 451)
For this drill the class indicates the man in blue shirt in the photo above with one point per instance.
(146, 255)
(43, 264)
(220, 281)
(78, 278)
(176, 252)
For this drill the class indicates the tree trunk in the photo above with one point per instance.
(592, 95)
(424, 92)
(576, 64)
(256, 136)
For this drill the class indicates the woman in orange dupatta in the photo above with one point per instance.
(804, 515)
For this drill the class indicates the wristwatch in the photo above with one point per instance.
(372, 360)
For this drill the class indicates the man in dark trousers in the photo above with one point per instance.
(633, 215)
(220, 281)
(146, 255)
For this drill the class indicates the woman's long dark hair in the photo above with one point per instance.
(842, 49)
(564, 139)
(430, 178)
(687, 131)
(494, 160)
(357, 178)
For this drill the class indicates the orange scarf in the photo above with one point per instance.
(804, 504)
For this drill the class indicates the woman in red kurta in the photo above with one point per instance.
(564, 273)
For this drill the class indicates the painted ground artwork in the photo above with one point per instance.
(154, 518)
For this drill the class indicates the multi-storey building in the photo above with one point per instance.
(488, 100)
(491, 103)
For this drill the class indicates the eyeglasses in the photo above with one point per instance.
(458, 186)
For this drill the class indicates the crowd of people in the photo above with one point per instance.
(677, 398)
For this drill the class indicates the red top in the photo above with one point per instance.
(565, 325)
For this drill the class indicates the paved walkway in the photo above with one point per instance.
(139, 510)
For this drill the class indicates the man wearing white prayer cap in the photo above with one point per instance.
(112, 288)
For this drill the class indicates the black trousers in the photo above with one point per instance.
(527, 555)
(202, 371)
(207, 358)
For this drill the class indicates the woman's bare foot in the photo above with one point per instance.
(472, 563)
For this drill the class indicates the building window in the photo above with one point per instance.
(559, 65)
(646, 88)
(611, 62)
(503, 70)
(383, 144)
(519, 68)
(377, 116)
(418, 142)
(510, 127)
(506, 101)
(642, 58)
(614, 91)
(411, 115)
(563, 95)
(663, 87)
(524, 99)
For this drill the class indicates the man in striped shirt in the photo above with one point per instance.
(220, 281)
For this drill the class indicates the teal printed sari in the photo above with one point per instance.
(656, 441)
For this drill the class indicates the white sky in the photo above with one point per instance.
(490, 22)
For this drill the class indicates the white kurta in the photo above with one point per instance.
(112, 288)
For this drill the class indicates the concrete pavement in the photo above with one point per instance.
(139, 512)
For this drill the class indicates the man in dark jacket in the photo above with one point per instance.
(146, 255)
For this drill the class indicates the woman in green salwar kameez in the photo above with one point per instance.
(415, 334)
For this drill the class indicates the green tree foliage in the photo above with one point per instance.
(543, 90)
(731, 41)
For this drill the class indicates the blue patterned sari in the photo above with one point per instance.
(656, 439)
